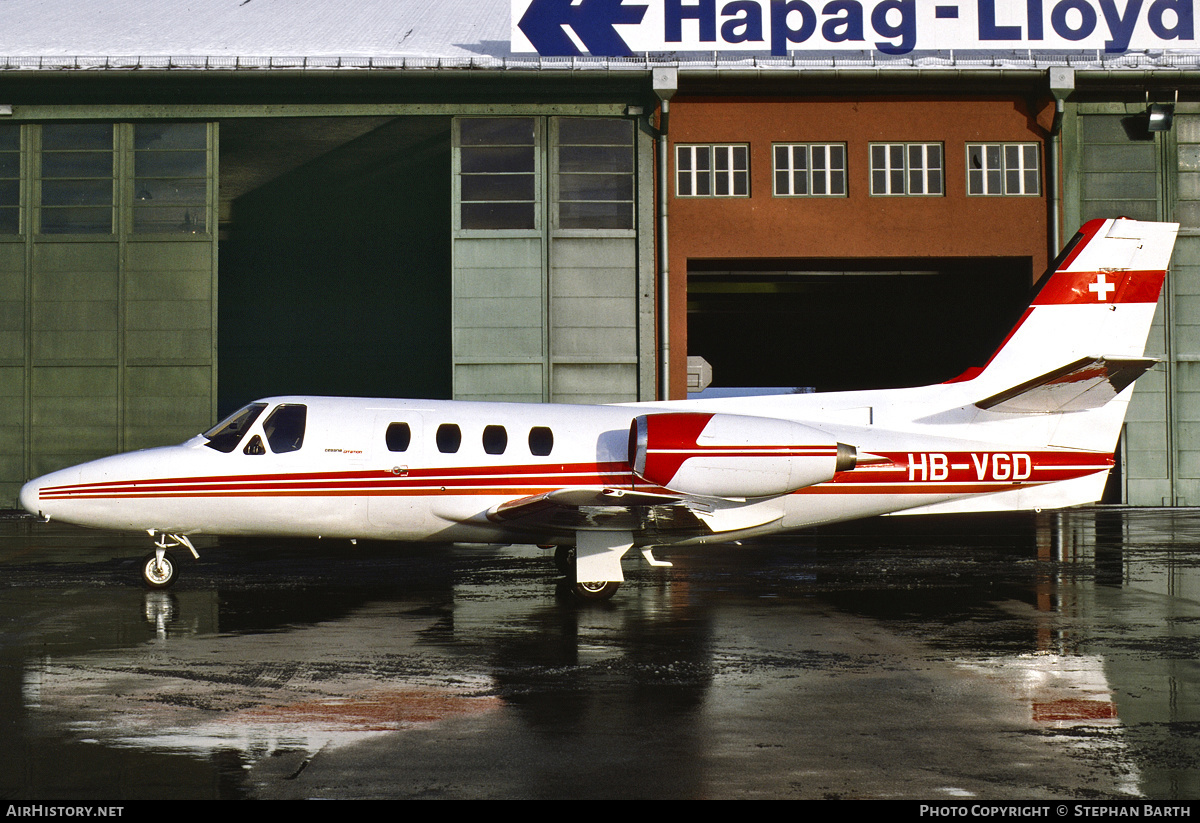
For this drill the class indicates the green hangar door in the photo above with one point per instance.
(545, 304)
(107, 257)
(334, 257)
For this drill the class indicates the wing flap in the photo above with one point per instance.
(569, 510)
(1087, 383)
(566, 511)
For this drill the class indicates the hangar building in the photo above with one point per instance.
(531, 200)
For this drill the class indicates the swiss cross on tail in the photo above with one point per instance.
(1101, 287)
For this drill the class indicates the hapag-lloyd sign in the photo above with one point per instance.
(613, 28)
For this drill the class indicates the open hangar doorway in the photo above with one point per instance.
(334, 257)
(838, 325)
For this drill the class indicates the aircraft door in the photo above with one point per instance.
(396, 445)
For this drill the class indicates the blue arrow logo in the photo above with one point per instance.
(593, 21)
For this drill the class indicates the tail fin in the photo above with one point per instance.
(1097, 300)
(1081, 340)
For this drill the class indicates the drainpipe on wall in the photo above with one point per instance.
(666, 83)
(1062, 83)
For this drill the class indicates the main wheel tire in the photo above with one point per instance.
(564, 559)
(158, 575)
(595, 591)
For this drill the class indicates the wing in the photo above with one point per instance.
(646, 514)
(566, 511)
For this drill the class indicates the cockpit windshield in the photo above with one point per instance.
(225, 436)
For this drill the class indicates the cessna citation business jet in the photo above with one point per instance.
(1034, 428)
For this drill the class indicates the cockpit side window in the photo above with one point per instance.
(225, 436)
(285, 427)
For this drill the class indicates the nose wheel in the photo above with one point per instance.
(159, 570)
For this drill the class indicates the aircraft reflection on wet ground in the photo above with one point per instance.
(998, 657)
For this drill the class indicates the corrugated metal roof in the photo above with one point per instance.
(399, 34)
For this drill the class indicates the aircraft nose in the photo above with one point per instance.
(30, 496)
(31, 493)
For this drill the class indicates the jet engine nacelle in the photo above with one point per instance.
(731, 455)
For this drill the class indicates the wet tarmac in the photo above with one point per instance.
(995, 657)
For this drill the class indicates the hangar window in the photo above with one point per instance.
(495, 439)
(907, 168)
(712, 171)
(497, 172)
(10, 178)
(1003, 168)
(817, 169)
(285, 427)
(449, 438)
(77, 178)
(594, 173)
(170, 162)
(541, 441)
(398, 437)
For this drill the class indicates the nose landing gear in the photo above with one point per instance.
(159, 568)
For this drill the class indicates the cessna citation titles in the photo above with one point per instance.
(1035, 427)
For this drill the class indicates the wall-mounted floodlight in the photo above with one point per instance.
(1161, 115)
(5, 109)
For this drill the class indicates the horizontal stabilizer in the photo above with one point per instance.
(1087, 383)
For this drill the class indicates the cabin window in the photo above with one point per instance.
(541, 441)
(285, 427)
(398, 437)
(449, 438)
(495, 439)
(225, 436)
(255, 446)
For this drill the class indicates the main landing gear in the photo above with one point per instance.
(592, 567)
(595, 590)
(159, 568)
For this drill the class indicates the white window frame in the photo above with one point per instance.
(1011, 163)
(834, 175)
(914, 169)
(713, 176)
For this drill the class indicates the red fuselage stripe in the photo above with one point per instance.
(948, 473)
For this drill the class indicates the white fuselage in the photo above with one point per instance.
(346, 481)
